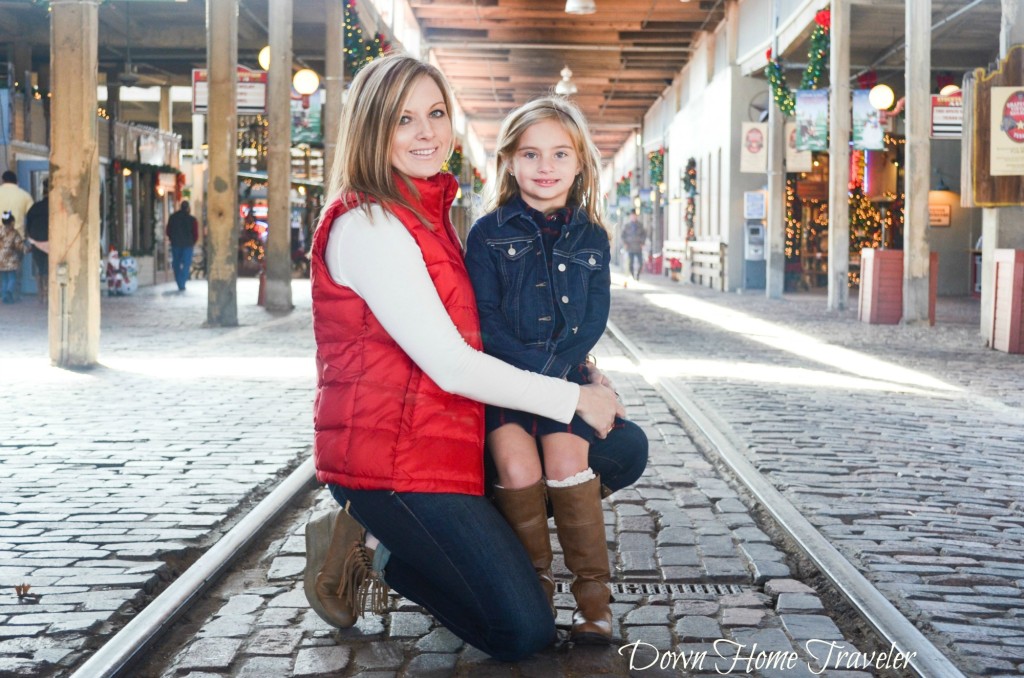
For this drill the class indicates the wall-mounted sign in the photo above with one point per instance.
(947, 116)
(939, 215)
(812, 120)
(754, 147)
(796, 161)
(754, 206)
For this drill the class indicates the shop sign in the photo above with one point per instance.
(1007, 131)
(250, 95)
(939, 215)
(947, 116)
(796, 161)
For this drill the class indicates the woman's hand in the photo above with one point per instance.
(598, 377)
(598, 406)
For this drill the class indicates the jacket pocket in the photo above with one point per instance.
(512, 249)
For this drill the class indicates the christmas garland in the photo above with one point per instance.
(624, 186)
(817, 57)
(656, 161)
(359, 49)
(690, 191)
(478, 181)
(454, 163)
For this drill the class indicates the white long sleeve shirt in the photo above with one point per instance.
(379, 260)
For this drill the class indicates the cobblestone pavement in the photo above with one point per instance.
(184, 425)
(901, 444)
(110, 477)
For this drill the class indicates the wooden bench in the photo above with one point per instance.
(706, 259)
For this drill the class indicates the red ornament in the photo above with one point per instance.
(768, 54)
(867, 80)
(823, 19)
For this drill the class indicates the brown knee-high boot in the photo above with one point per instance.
(580, 524)
(526, 512)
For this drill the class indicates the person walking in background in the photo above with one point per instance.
(15, 199)
(37, 230)
(539, 266)
(183, 232)
(634, 236)
(398, 420)
(11, 249)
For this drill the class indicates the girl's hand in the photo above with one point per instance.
(598, 406)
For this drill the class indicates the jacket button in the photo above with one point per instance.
(565, 299)
(561, 267)
(511, 251)
(592, 261)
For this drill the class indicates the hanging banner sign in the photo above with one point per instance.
(867, 128)
(796, 161)
(306, 118)
(947, 116)
(812, 120)
(754, 148)
(250, 95)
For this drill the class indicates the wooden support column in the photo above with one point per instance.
(775, 237)
(165, 115)
(1001, 227)
(198, 197)
(917, 168)
(839, 158)
(222, 189)
(74, 294)
(278, 257)
(334, 79)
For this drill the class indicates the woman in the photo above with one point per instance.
(399, 416)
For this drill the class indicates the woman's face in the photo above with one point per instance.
(424, 133)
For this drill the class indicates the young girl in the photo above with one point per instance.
(539, 266)
(11, 248)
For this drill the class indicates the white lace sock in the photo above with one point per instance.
(576, 479)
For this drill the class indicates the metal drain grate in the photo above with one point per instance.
(655, 589)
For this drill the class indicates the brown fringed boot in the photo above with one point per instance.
(580, 524)
(525, 510)
(339, 579)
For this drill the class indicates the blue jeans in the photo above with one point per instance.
(455, 555)
(8, 285)
(181, 258)
(636, 264)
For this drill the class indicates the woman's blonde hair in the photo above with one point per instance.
(376, 98)
(586, 188)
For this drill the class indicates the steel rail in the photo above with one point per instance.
(118, 653)
(887, 621)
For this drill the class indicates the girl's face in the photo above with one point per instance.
(545, 164)
(423, 136)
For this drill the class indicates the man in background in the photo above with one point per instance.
(634, 235)
(183, 232)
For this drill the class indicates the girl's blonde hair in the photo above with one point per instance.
(376, 98)
(586, 188)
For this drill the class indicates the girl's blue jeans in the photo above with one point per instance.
(455, 555)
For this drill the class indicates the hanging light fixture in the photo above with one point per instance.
(580, 7)
(566, 87)
(306, 82)
(264, 58)
(881, 97)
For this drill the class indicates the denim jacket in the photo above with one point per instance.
(518, 291)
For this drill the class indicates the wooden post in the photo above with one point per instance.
(917, 170)
(222, 188)
(165, 120)
(278, 257)
(334, 80)
(839, 158)
(775, 250)
(74, 282)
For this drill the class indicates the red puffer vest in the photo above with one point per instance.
(379, 422)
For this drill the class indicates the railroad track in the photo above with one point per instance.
(880, 614)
